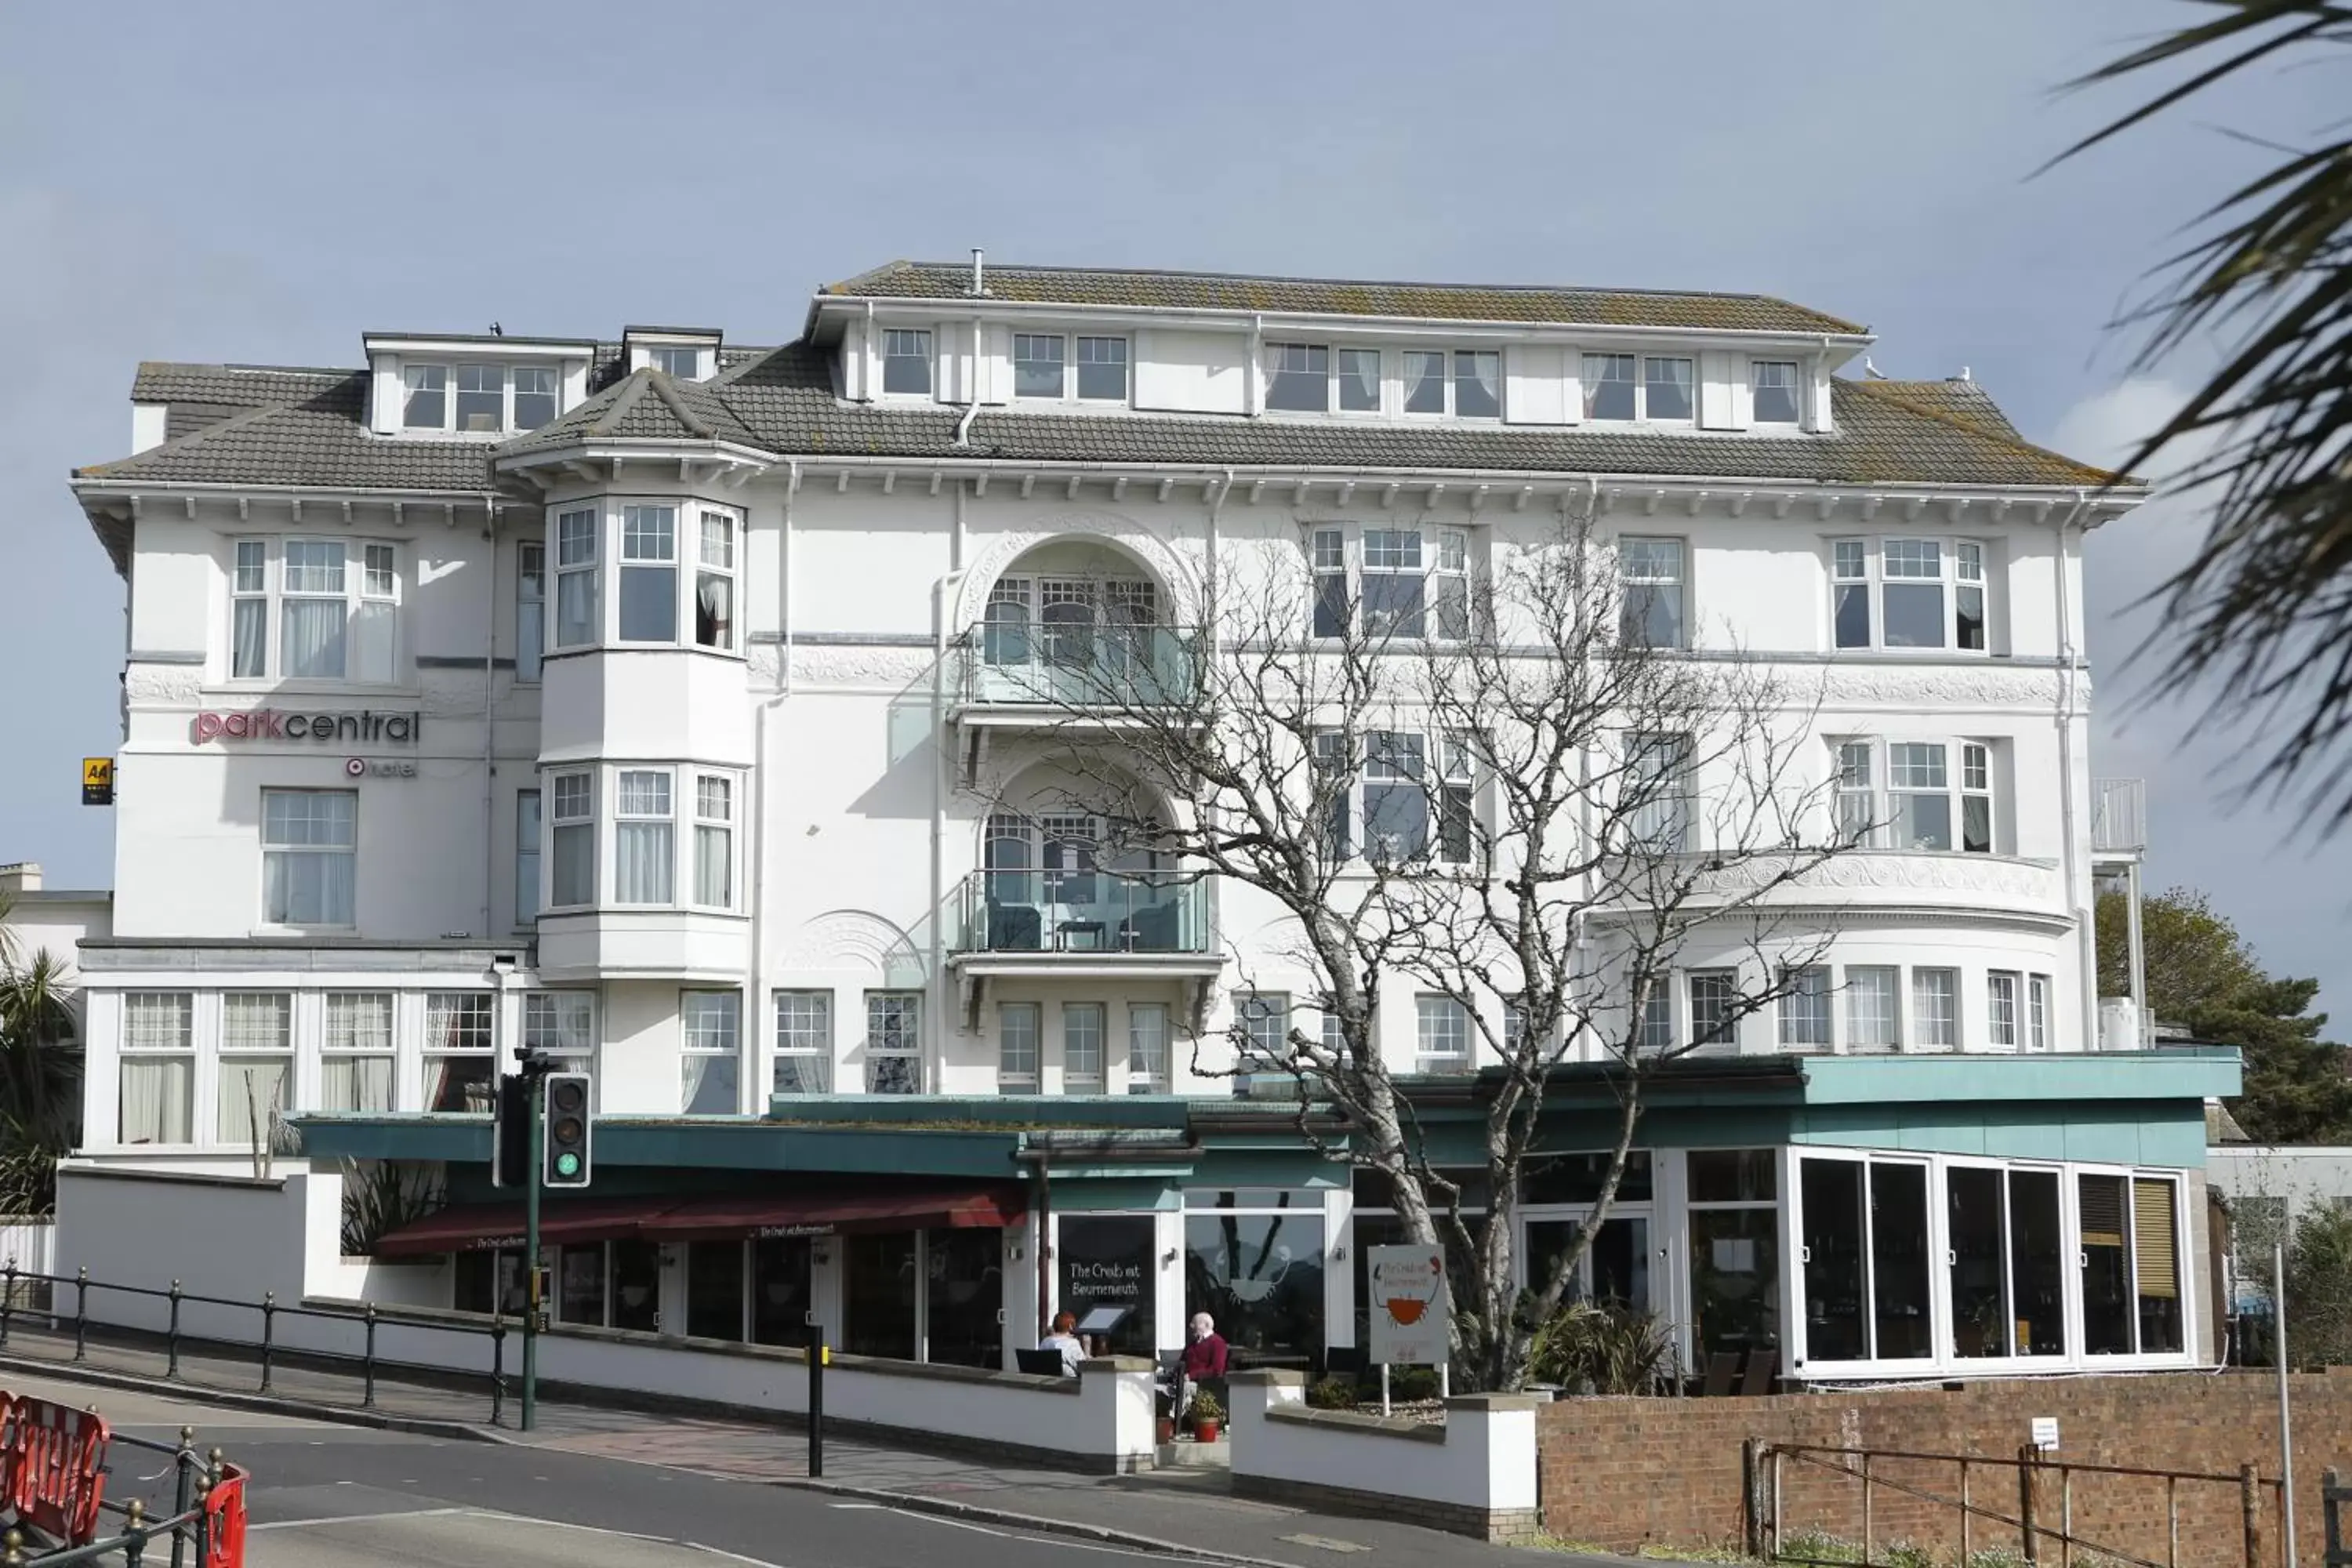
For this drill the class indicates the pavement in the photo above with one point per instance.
(422, 1480)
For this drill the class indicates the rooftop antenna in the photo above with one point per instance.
(979, 272)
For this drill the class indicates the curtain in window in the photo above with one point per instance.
(713, 860)
(251, 1089)
(1489, 371)
(708, 1084)
(641, 871)
(1419, 371)
(313, 639)
(575, 607)
(309, 888)
(374, 631)
(156, 1100)
(714, 611)
(250, 655)
(356, 1083)
(1364, 369)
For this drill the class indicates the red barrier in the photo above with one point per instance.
(53, 1466)
(224, 1520)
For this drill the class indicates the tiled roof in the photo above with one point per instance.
(232, 385)
(1336, 297)
(785, 402)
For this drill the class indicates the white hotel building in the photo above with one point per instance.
(639, 699)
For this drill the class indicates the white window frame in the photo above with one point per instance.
(579, 563)
(1808, 1014)
(641, 525)
(714, 821)
(1083, 1062)
(662, 357)
(2004, 1004)
(466, 1009)
(1664, 822)
(1020, 1051)
(1591, 382)
(147, 1048)
(1260, 1016)
(1851, 1016)
(894, 1032)
(1344, 554)
(1870, 800)
(1147, 1046)
(594, 545)
(283, 921)
(1936, 1016)
(1756, 369)
(717, 564)
(804, 1037)
(1866, 564)
(563, 1024)
(530, 879)
(350, 1040)
(1654, 1030)
(566, 809)
(655, 805)
(531, 611)
(919, 346)
(242, 1057)
(576, 813)
(2037, 1011)
(260, 575)
(709, 1033)
(1714, 1001)
(1444, 1039)
(1642, 576)
(445, 376)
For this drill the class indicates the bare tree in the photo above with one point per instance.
(1512, 790)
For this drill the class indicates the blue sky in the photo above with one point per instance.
(263, 181)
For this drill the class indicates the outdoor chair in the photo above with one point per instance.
(1757, 1379)
(1015, 928)
(1722, 1372)
(1039, 1363)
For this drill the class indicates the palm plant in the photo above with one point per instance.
(40, 1076)
(2263, 608)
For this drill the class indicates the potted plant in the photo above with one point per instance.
(1208, 1417)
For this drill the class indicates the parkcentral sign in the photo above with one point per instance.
(326, 729)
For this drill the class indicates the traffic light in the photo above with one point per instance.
(511, 1133)
(567, 1128)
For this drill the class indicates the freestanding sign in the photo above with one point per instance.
(1411, 1313)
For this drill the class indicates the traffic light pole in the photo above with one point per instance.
(530, 1259)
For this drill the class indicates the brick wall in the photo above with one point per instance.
(1625, 1473)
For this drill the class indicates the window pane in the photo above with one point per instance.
(1609, 386)
(708, 1028)
(1805, 1007)
(1477, 384)
(1775, 388)
(534, 397)
(1037, 364)
(1147, 1048)
(2000, 1010)
(1980, 1318)
(1853, 614)
(803, 1062)
(576, 539)
(427, 387)
(1870, 1015)
(1102, 369)
(1899, 1261)
(907, 362)
(1734, 1176)
(1392, 603)
(642, 861)
(1444, 1034)
(311, 639)
(1424, 383)
(681, 360)
(714, 1290)
(2037, 1263)
(1260, 1276)
(1914, 614)
(1301, 378)
(1714, 993)
(781, 1296)
(2156, 1264)
(1735, 1281)
(1667, 384)
(1359, 379)
(1082, 1044)
(157, 1101)
(1936, 1008)
(1835, 1281)
(526, 835)
(1017, 1043)
(2107, 1305)
(481, 396)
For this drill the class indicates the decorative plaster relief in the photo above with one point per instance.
(1178, 580)
(853, 939)
(891, 669)
(1925, 687)
(1986, 877)
(164, 686)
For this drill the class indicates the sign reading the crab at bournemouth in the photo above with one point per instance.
(1410, 1310)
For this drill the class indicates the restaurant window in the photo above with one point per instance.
(781, 1295)
(1975, 1223)
(1735, 1258)
(1899, 1269)
(1110, 1261)
(2104, 1208)
(1257, 1268)
(1833, 1252)
(580, 1285)
(1614, 1270)
(159, 1068)
(963, 1321)
(256, 1061)
(878, 1294)
(459, 1070)
(355, 1058)
(714, 1290)
(2037, 1266)
(1578, 1178)
(1867, 1275)
(637, 1286)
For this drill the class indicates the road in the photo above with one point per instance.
(327, 1496)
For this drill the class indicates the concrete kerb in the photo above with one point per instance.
(262, 1404)
(977, 1513)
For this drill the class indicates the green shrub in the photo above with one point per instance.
(1603, 1349)
(1409, 1384)
(1332, 1394)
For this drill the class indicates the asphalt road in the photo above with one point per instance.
(325, 1496)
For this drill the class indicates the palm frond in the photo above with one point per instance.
(2258, 622)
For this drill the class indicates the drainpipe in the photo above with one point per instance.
(1041, 1213)
(489, 720)
(2062, 718)
(755, 858)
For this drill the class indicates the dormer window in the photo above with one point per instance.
(1773, 391)
(1045, 367)
(683, 362)
(477, 399)
(1658, 388)
(907, 362)
(1301, 382)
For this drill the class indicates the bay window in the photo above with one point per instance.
(644, 853)
(355, 1055)
(714, 840)
(711, 1052)
(676, 576)
(648, 859)
(1923, 801)
(329, 611)
(803, 1062)
(1893, 594)
(573, 839)
(159, 1068)
(256, 1059)
(460, 1069)
(309, 857)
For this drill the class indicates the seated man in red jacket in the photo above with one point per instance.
(1204, 1360)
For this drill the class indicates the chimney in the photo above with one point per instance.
(25, 877)
(978, 271)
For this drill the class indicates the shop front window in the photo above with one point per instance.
(962, 1305)
(714, 1290)
(2106, 1266)
(1735, 1262)
(880, 1294)
(2157, 1257)
(780, 1290)
(580, 1285)
(1260, 1276)
(2037, 1268)
(1975, 1223)
(1107, 1261)
(1899, 1261)
(1615, 1271)
(1835, 1288)
(637, 1286)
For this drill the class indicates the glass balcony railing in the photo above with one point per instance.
(1083, 913)
(1085, 665)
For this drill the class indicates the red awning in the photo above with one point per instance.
(478, 1227)
(837, 1212)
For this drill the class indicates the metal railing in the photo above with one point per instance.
(369, 1365)
(205, 1528)
(2120, 815)
(2042, 1540)
(1083, 913)
(1079, 666)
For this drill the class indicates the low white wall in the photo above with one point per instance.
(1482, 1460)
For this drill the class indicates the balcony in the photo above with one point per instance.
(2118, 820)
(1128, 925)
(1019, 674)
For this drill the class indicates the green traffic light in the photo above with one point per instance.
(567, 1164)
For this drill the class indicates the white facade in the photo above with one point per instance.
(747, 706)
